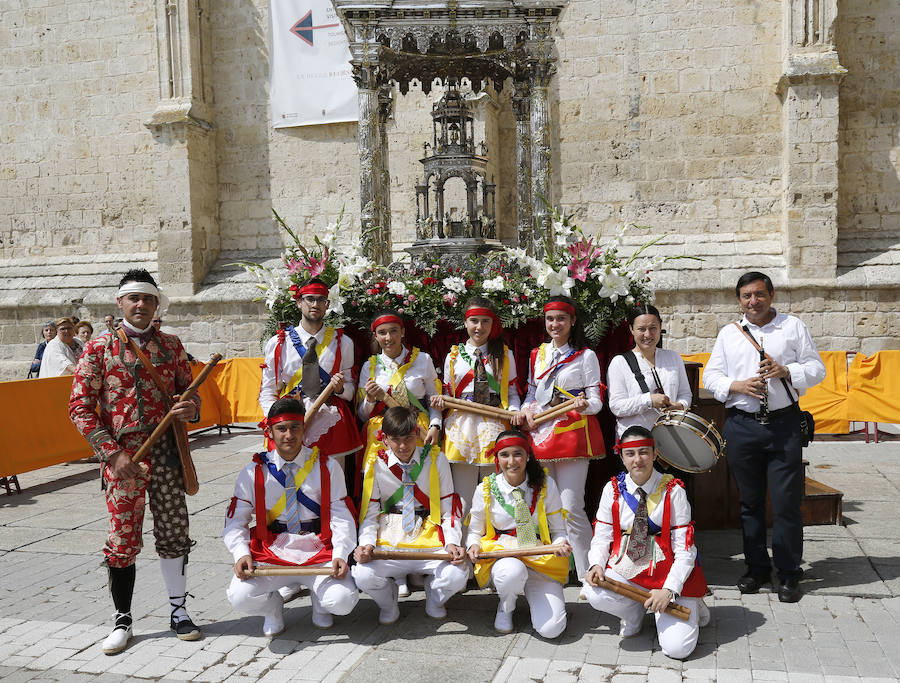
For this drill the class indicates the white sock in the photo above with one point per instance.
(175, 578)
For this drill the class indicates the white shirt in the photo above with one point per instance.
(583, 372)
(634, 407)
(237, 527)
(502, 520)
(421, 379)
(385, 484)
(291, 363)
(55, 359)
(683, 562)
(734, 358)
(461, 368)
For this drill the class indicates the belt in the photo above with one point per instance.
(398, 510)
(313, 526)
(773, 414)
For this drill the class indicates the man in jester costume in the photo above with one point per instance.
(519, 507)
(408, 504)
(300, 361)
(303, 517)
(644, 536)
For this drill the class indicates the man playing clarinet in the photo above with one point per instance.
(116, 402)
(759, 368)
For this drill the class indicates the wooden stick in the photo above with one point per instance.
(390, 401)
(291, 571)
(554, 412)
(170, 416)
(319, 402)
(478, 408)
(519, 552)
(640, 595)
(379, 554)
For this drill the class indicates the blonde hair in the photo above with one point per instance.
(65, 321)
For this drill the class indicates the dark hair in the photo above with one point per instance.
(399, 421)
(286, 405)
(315, 281)
(643, 309)
(137, 275)
(375, 348)
(534, 473)
(635, 430)
(753, 276)
(494, 346)
(577, 340)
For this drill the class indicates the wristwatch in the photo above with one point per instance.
(672, 595)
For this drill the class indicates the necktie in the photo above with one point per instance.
(291, 508)
(637, 544)
(480, 390)
(310, 382)
(399, 392)
(544, 392)
(524, 526)
(409, 509)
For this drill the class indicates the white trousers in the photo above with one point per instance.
(512, 577)
(259, 596)
(677, 638)
(442, 579)
(465, 478)
(570, 476)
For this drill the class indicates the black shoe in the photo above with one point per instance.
(185, 629)
(751, 583)
(790, 590)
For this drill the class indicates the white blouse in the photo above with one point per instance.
(461, 368)
(57, 356)
(421, 379)
(582, 373)
(634, 407)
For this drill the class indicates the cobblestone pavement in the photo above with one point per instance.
(55, 609)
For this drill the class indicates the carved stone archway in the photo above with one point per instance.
(487, 41)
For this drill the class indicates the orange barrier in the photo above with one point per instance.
(874, 387)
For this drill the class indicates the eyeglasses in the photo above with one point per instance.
(314, 300)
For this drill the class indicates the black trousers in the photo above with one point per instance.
(768, 454)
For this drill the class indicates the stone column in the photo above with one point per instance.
(186, 181)
(524, 224)
(367, 75)
(385, 112)
(541, 68)
(809, 90)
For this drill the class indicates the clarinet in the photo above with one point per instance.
(762, 416)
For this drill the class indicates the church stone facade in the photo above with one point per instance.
(756, 134)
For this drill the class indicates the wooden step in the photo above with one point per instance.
(821, 504)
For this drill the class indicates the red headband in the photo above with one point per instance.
(313, 288)
(560, 306)
(390, 318)
(508, 441)
(619, 447)
(284, 417)
(496, 326)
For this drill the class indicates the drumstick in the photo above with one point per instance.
(379, 554)
(291, 571)
(519, 552)
(641, 596)
(478, 408)
(554, 412)
(166, 422)
(319, 402)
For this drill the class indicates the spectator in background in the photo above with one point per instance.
(60, 355)
(109, 321)
(83, 332)
(48, 333)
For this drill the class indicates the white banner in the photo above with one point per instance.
(310, 77)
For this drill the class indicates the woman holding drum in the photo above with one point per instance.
(562, 369)
(648, 380)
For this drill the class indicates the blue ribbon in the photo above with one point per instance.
(302, 498)
(633, 503)
(301, 350)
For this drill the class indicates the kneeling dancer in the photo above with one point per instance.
(124, 386)
(408, 505)
(299, 499)
(513, 508)
(644, 537)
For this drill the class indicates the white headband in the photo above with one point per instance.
(145, 288)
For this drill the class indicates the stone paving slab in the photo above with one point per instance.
(56, 609)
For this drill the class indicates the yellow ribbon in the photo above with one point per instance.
(320, 348)
(299, 478)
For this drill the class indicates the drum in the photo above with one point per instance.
(687, 441)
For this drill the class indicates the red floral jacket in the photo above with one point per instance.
(110, 377)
